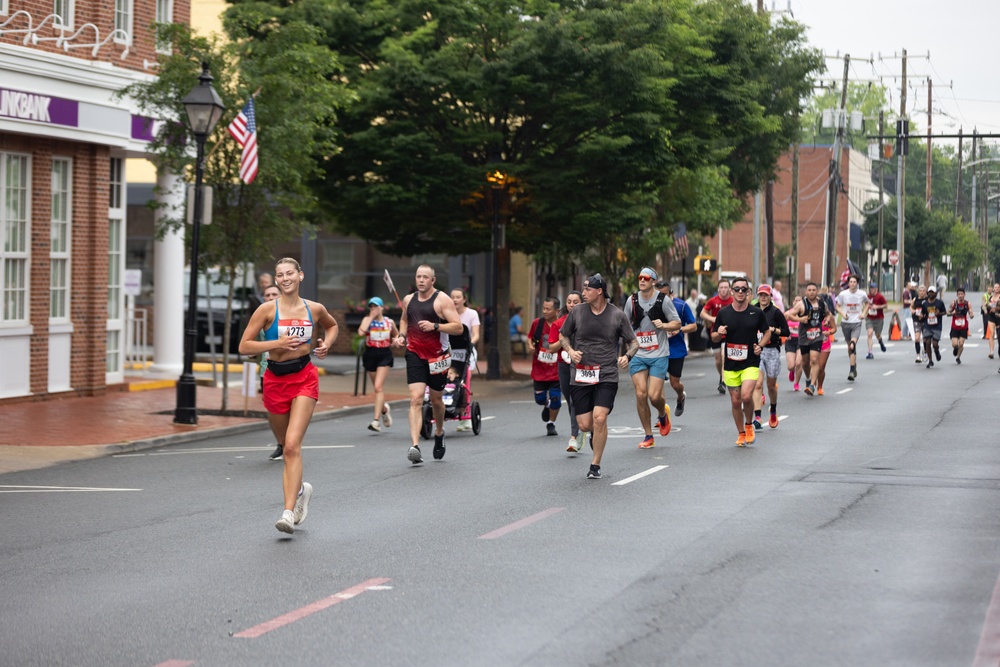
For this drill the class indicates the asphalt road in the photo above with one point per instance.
(864, 530)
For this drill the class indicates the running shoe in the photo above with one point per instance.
(958, 360)
(918, 360)
(595, 472)
(664, 423)
(387, 415)
(414, 455)
(438, 447)
(809, 390)
(741, 439)
(545, 413)
(301, 510)
(722, 387)
(375, 426)
(286, 523)
(954, 351)
(795, 387)
(991, 355)
(773, 420)
(550, 429)
(791, 376)
(573, 445)
(647, 442)
(870, 356)
(937, 353)
(464, 425)
(278, 454)
(881, 344)
(680, 404)
(751, 435)
(930, 363)
(819, 391)
(853, 374)
(757, 426)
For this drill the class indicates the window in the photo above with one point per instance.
(14, 233)
(164, 14)
(64, 10)
(114, 351)
(123, 20)
(59, 245)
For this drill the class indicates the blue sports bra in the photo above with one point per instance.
(301, 328)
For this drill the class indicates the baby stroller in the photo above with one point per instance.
(457, 396)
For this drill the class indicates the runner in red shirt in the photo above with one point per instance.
(545, 365)
(709, 313)
(961, 313)
(876, 317)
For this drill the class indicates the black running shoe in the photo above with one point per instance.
(595, 472)
(958, 360)
(439, 447)
(278, 454)
(954, 351)
(550, 429)
(937, 353)
(679, 410)
(545, 413)
(881, 344)
(853, 374)
(930, 363)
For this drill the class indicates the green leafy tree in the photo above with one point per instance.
(966, 250)
(927, 232)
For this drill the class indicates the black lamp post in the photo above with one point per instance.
(498, 182)
(204, 109)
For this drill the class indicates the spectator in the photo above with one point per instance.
(517, 334)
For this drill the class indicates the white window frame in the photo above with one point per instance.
(124, 16)
(66, 21)
(62, 217)
(164, 14)
(3, 7)
(22, 254)
(115, 330)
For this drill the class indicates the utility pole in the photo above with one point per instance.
(958, 186)
(769, 228)
(881, 185)
(929, 118)
(835, 183)
(794, 277)
(756, 237)
(901, 193)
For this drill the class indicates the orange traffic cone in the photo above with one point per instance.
(894, 332)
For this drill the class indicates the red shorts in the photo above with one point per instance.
(280, 390)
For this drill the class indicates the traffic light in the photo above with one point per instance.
(705, 264)
(903, 137)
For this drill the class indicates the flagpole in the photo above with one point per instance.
(216, 144)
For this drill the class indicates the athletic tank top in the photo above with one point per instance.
(301, 328)
(378, 333)
(425, 344)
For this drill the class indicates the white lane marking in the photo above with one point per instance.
(489, 417)
(844, 391)
(515, 402)
(18, 488)
(888, 373)
(782, 418)
(640, 475)
(222, 450)
(638, 433)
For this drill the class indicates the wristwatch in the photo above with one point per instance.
(436, 326)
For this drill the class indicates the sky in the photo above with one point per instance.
(956, 34)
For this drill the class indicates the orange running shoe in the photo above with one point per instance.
(741, 439)
(773, 421)
(664, 423)
(819, 392)
(647, 442)
(751, 434)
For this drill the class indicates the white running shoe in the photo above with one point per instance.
(375, 426)
(387, 415)
(464, 425)
(286, 523)
(302, 503)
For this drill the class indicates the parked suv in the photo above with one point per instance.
(212, 298)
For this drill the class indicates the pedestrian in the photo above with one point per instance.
(291, 382)
(678, 349)
(653, 316)
(961, 315)
(932, 318)
(875, 321)
(770, 358)
(377, 359)
(516, 325)
(741, 329)
(852, 305)
(591, 336)
(544, 365)
(470, 318)
(777, 298)
(708, 313)
(271, 292)
(812, 314)
(577, 438)
(427, 313)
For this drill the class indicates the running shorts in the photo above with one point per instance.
(657, 366)
(852, 330)
(281, 390)
(675, 366)
(734, 379)
(959, 333)
(875, 325)
(791, 344)
(931, 332)
(770, 361)
(418, 371)
(588, 396)
(375, 357)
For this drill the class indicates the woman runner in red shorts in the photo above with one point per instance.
(291, 382)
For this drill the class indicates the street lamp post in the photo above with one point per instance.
(204, 109)
(498, 181)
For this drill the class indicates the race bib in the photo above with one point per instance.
(932, 319)
(459, 355)
(564, 355)
(439, 365)
(588, 374)
(378, 338)
(812, 334)
(958, 322)
(301, 329)
(737, 352)
(547, 357)
(647, 340)
(917, 312)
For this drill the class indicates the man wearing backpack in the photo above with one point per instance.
(544, 365)
(811, 313)
(653, 316)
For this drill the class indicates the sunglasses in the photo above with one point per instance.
(741, 289)
(645, 277)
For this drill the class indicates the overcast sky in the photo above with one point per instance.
(959, 35)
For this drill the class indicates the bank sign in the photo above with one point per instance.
(39, 108)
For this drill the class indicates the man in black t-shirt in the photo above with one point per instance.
(743, 330)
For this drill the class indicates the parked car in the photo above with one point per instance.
(212, 300)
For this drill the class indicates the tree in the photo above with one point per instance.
(927, 232)
(966, 250)
(296, 105)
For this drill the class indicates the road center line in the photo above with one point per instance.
(175, 663)
(309, 609)
(888, 373)
(527, 521)
(639, 476)
(14, 488)
(844, 391)
(988, 651)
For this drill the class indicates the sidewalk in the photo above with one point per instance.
(140, 416)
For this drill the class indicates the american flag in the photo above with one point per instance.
(680, 248)
(244, 130)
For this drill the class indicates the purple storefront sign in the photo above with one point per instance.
(143, 128)
(40, 108)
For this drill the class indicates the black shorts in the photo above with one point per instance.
(419, 371)
(791, 344)
(712, 344)
(375, 357)
(815, 346)
(675, 366)
(959, 333)
(588, 396)
(545, 385)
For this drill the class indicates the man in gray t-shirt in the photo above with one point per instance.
(591, 336)
(852, 305)
(652, 316)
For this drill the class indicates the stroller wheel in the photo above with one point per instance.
(477, 418)
(427, 427)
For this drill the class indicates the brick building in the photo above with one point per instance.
(64, 139)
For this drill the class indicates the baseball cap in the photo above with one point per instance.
(377, 301)
(764, 289)
(649, 272)
(931, 288)
(597, 281)
(872, 285)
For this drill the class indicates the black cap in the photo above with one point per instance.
(597, 281)
(660, 284)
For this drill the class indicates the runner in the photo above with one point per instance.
(577, 439)
(811, 313)
(917, 315)
(961, 315)
(906, 315)
(678, 348)
(378, 331)
(743, 331)
(544, 365)
(793, 358)
(770, 358)
(933, 310)
(708, 313)
(427, 313)
(591, 335)
(653, 316)
(271, 292)
(876, 317)
(470, 318)
(992, 306)
(852, 305)
(291, 382)
(829, 330)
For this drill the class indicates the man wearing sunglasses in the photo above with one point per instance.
(743, 331)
